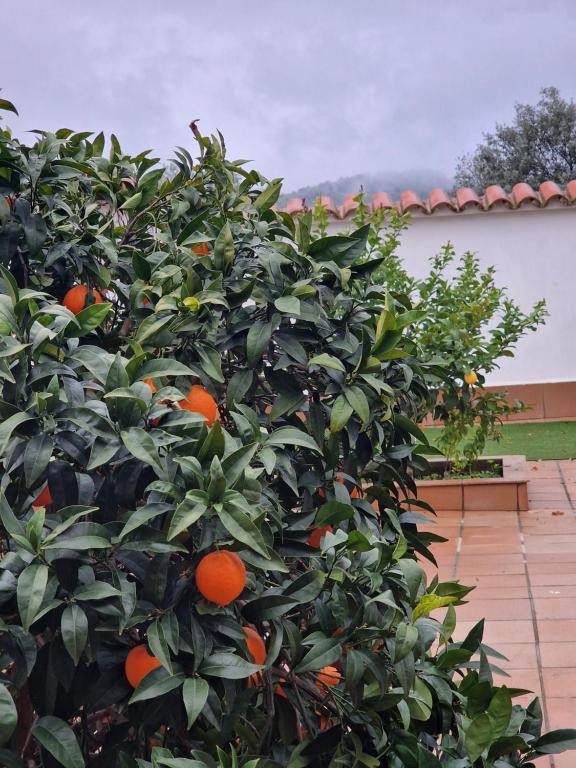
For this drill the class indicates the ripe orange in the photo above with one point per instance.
(315, 538)
(201, 249)
(221, 577)
(199, 400)
(138, 664)
(152, 386)
(75, 299)
(44, 498)
(328, 676)
(256, 645)
(471, 377)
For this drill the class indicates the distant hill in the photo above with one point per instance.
(421, 181)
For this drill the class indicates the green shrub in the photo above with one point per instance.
(203, 284)
(469, 324)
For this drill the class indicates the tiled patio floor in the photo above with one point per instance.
(523, 565)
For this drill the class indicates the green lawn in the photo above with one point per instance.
(552, 440)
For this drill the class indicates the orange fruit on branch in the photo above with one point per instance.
(199, 400)
(315, 538)
(75, 299)
(256, 645)
(471, 377)
(138, 664)
(201, 249)
(44, 498)
(328, 676)
(153, 387)
(221, 577)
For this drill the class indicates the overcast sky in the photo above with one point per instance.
(308, 89)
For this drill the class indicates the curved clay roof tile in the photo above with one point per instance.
(410, 199)
(466, 196)
(439, 197)
(571, 190)
(523, 193)
(348, 206)
(495, 194)
(296, 205)
(326, 202)
(550, 190)
(382, 200)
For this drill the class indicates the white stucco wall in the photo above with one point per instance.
(534, 252)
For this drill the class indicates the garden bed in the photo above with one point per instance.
(499, 483)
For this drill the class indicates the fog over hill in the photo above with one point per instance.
(392, 182)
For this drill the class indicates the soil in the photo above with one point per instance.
(482, 468)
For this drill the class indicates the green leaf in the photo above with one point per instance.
(190, 509)
(268, 196)
(359, 402)
(30, 592)
(258, 338)
(344, 250)
(289, 305)
(8, 715)
(155, 684)
(327, 361)
(194, 694)
(8, 426)
(322, 653)
(500, 712)
(428, 603)
(132, 202)
(229, 666)
(555, 741)
(406, 639)
(58, 738)
(8, 106)
(88, 319)
(478, 737)
(166, 366)
(98, 590)
(36, 457)
(238, 386)
(141, 445)
(159, 646)
(74, 628)
(292, 436)
(235, 463)
(224, 249)
(341, 413)
(239, 525)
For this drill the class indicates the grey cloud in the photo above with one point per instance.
(308, 90)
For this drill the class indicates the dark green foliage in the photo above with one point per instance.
(316, 382)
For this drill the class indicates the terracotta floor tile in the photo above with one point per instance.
(551, 566)
(505, 593)
(544, 579)
(519, 656)
(495, 610)
(565, 759)
(521, 678)
(561, 655)
(561, 714)
(560, 683)
(498, 633)
(500, 580)
(555, 631)
(556, 590)
(557, 608)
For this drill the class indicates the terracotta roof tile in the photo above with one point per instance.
(523, 193)
(410, 199)
(550, 190)
(495, 194)
(439, 200)
(465, 197)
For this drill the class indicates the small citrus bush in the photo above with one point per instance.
(167, 454)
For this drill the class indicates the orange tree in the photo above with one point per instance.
(166, 455)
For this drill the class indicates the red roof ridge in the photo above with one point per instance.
(494, 197)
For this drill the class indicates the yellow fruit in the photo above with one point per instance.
(470, 378)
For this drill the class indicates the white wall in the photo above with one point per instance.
(534, 252)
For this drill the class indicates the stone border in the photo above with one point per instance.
(509, 492)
